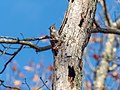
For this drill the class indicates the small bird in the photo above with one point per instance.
(53, 32)
(54, 39)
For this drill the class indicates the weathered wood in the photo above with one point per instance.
(74, 35)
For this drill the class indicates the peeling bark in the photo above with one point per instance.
(74, 35)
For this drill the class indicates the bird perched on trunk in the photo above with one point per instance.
(54, 33)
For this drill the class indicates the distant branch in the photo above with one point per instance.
(106, 16)
(106, 31)
(113, 29)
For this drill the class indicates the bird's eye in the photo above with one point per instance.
(52, 27)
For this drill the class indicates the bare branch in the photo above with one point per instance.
(113, 29)
(5, 53)
(106, 16)
(105, 30)
(15, 88)
(44, 48)
(5, 50)
(8, 37)
(27, 39)
(25, 42)
(12, 40)
(27, 84)
(44, 83)
(41, 86)
(38, 38)
(19, 42)
(6, 86)
(15, 53)
(7, 47)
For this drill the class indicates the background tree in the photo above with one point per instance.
(68, 45)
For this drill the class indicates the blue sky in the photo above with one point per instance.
(32, 18)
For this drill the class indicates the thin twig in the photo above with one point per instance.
(44, 83)
(8, 37)
(27, 84)
(15, 53)
(106, 16)
(15, 88)
(22, 35)
(6, 86)
(5, 50)
(42, 86)
(9, 48)
(5, 53)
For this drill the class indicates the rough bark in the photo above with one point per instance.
(68, 47)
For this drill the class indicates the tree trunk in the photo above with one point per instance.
(69, 43)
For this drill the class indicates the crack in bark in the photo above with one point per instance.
(71, 75)
(81, 22)
(63, 25)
